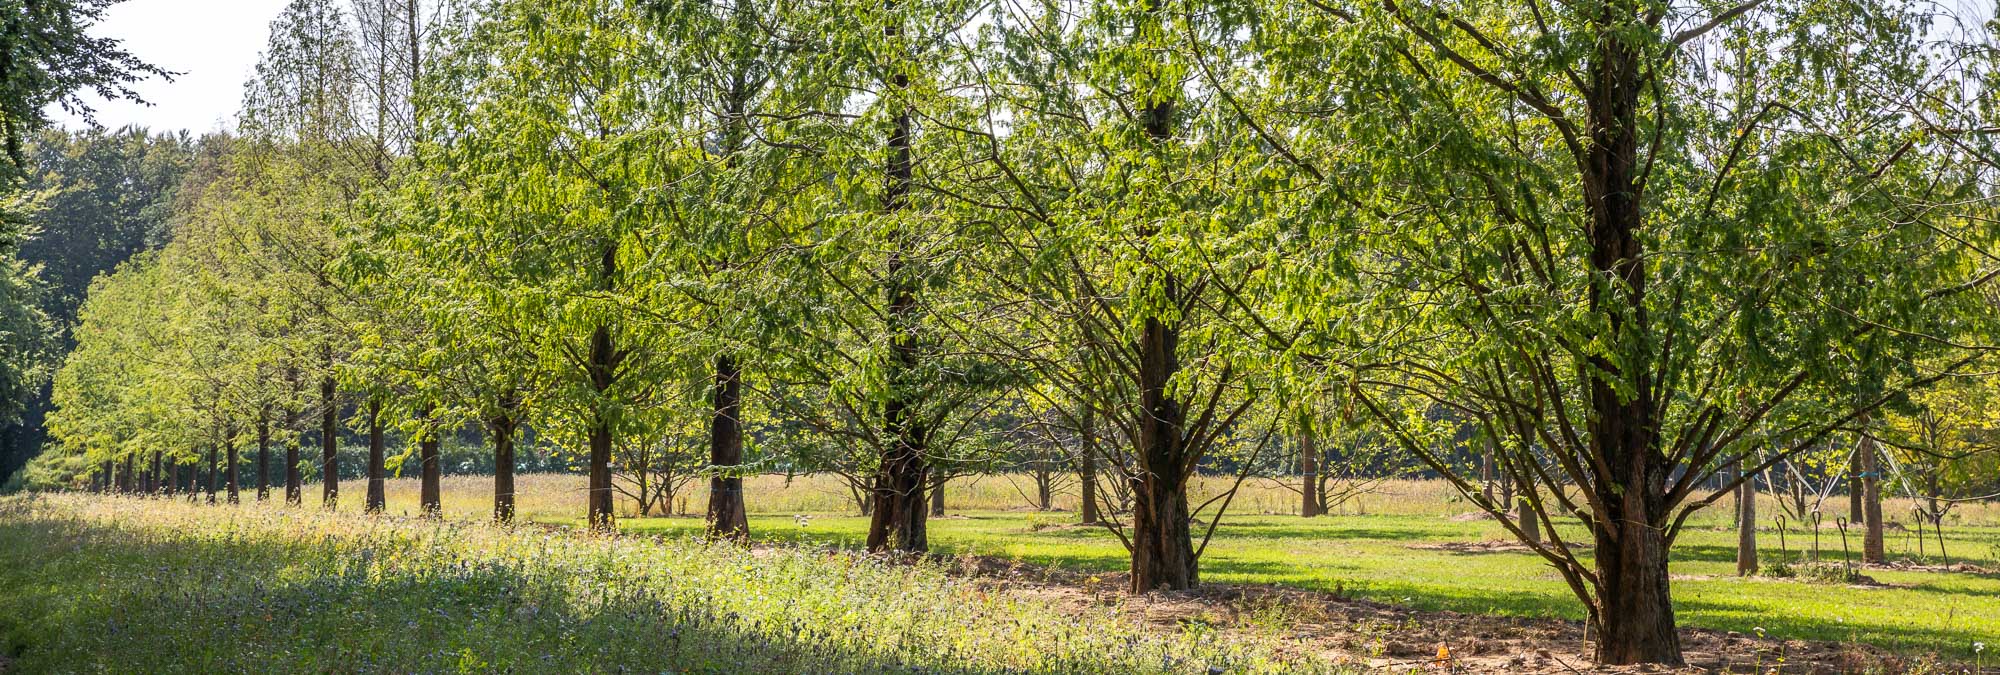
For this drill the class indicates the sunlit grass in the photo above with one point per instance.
(128, 585)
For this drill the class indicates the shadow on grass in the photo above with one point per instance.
(123, 600)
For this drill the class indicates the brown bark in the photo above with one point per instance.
(937, 498)
(1526, 518)
(1087, 461)
(212, 474)
(229, 476)
(898, 520)
(430, 492)
(727, 517)
(602, 370)
(503, 458)
(294, 482)
(1854, 472)
(1746, 528)
(1635, 612)
(1872, 550)
(263, 458)
(329, 440)
(378, 474)
(1309, 474)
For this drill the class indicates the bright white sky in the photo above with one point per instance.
(213, 43)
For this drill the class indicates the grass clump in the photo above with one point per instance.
(107, 584)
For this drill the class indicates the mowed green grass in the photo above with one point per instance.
(1366, 552)
(1372, 557)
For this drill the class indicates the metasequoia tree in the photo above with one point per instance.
(1119, 217)
(1563, 224)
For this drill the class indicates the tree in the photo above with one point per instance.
(1516, 203)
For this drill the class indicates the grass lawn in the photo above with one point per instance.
(102, 584)
(1371, 557)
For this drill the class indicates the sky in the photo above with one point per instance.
(213, 43)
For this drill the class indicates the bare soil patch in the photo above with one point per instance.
(1390, 638)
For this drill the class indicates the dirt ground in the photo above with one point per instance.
(1389, 638)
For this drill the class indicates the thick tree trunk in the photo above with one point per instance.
(1162, 546)
(1746, 528)
(229, 476)
(503, 459)
(727, 517)
(329, 440)
(1872, 550)
(599, 511)
(1309, 474)
(378, 474)
(898, 522)
(1636, 615)
(430, 492)
(263, 458)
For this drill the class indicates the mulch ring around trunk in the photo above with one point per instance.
(1377, 636)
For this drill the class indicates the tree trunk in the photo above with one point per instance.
(1045, 487)
(212, 474)
(1088, 470)
(602, 369)
(1854, 473)
(1309, 474)
(294, 482)
(430, 493)
(1636, 615)
(263, 458)
(1526, 518)
(503, 459)
(329, 440)
(1486, 466)
(378, 474)
(229, 473)
(1871, 500)
(1746, 528)
(1162, 548)
(898, 522)
(937, 499)
(601, 476)
(153, 475)
(727, 517)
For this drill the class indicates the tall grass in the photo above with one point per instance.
(104, 584)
